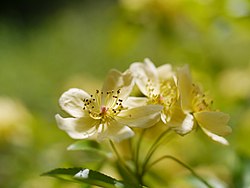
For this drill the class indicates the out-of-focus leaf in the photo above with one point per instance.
(84, 145)
(241, 176)
(88, 146)
(84, 175)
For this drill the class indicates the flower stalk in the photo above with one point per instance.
(168, 98)
(182, 164)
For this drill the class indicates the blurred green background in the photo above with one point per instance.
(47, 47)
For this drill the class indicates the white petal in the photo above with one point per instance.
(215, 137)
(150, 67)
(143, 72)
(180, 122)
(215, 122)
(185, 88)
(165, 72)
(115, 132)
(116, 80)
(132, 102)
(143, 117)
(71, 101)
(77, 128)
(163, 117)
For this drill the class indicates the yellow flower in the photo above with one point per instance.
(105, 114)
(194, 106)
(157, 84)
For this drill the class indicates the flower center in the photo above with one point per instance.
(200, 101)
(104, 110)
(167, 95)
(103, 105)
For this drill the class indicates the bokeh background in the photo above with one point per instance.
(47, 47)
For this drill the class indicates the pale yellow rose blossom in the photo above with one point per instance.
(105, 114)
(195, 107)
(157, 84)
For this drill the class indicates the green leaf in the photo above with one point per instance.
(89, 146)
(84, 145)
(84, 175)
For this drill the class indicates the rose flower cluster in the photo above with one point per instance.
(169, 97)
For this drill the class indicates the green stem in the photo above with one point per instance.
(115, 150)
(120, 160)
(138, 148)
(182, 164)
(119, 157)
(137, 165)
(152, 150)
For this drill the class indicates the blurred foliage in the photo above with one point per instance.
(46, 48)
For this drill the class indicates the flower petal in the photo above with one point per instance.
(165, 72)
(144, 72)
(77, 128)
(185, 88)
(132, 102)
(143, 117)
(164, 118)
(115, 132)
(180, 122)
(215, 122)
(116, 80)
(71, 101)
(215, 137)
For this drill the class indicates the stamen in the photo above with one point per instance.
(103, 105)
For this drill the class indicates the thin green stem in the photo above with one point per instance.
(137, 165)
(152, 149)
(138, 150)
(119, 157)
(123, 164)
(182, 164)
(132, 153)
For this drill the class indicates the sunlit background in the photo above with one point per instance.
(47, 47)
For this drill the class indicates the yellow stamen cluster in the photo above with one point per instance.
(168, 89)
(103, 105)
(153, 97)
(200, 101)
(166, 96)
